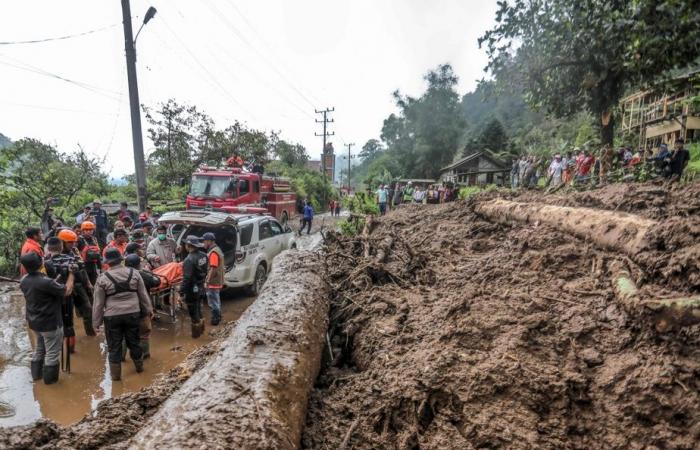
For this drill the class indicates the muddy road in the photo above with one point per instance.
(78, 393)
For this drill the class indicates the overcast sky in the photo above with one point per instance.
(268, 63)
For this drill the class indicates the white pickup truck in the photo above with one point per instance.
(249, 242)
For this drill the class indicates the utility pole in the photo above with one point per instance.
(139, 159)
(349, 158)
(325, 134)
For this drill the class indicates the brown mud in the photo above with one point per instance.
(115, 406)
(452, 331)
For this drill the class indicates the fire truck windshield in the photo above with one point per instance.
(212, 186)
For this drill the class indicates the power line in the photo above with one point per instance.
(325, 121)
(29, 68)
(245, 40)
(203, 67)
(260, 37)
(59, 38)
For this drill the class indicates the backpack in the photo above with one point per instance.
(121, 286)
(91, 254)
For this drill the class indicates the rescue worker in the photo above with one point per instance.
(58, 268)
(120, 301)
(31, 245)
(44, 297)
(121, 239)
(151, 281)
(194, 272)
(215, 276)
(82, 291)
(162, 249)
(90, 250)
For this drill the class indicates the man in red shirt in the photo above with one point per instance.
(31, 245)
(215, 276)
(585, 164)
(121, 239)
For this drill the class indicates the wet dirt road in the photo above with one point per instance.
(79, 392)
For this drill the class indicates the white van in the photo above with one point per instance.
(249, 242)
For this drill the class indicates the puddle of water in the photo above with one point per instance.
(79, 392)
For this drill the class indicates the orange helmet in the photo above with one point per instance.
(87, 225)
(68, 236)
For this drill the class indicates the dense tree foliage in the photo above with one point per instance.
(575, 55)
(184, 138)
(423, 137)
(31, 172)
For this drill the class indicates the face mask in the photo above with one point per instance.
(161, 237)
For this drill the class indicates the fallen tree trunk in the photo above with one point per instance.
(666, 314)
(613, 230)
(253, 394)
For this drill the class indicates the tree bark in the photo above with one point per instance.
(607, 130)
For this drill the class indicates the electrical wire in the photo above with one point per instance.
(245, 40)
(204, 69)
(59, 38)
(314, 99)
(29, 68)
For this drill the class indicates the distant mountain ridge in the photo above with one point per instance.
(4, 141)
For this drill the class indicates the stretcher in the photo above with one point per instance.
(166, 297)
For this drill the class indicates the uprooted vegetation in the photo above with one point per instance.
(451, 329)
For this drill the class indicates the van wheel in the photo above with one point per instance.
(284, 219)
(260, 277)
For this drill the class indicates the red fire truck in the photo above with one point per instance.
(236, 190)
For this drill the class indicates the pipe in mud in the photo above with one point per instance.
(254, 392)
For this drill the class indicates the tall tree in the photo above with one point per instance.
(293, 155)
(31, 172)
(493, 137)
(371, 150)
(573, 55)
(424, 136)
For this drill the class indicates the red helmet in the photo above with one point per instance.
(68, 236)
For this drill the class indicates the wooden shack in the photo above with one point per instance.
(476, 169)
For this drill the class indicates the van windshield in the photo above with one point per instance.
(210, 186)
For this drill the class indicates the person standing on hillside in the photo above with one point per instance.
(679, 159)
(382, 197)
(31, 245)
(44, 297)
(556, 169)
(101, 221)
(408, 193)
(215, 276)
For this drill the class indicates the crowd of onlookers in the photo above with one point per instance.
(392, 195)
(582, 165)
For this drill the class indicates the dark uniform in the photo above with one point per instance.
(194, 272)
(58, 266)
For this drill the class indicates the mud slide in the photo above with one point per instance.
(253, 393)
(457, 332)
(616, 231)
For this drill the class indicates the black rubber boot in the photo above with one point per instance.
(37, 369)
(115, 370)
(50, 374)
(138, 363)
(215, 318)
(145, 348)
(194, 327)
(89, 330)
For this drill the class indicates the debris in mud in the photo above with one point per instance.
(452, 331)
(115, 419)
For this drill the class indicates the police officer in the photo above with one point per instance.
(194, 272)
